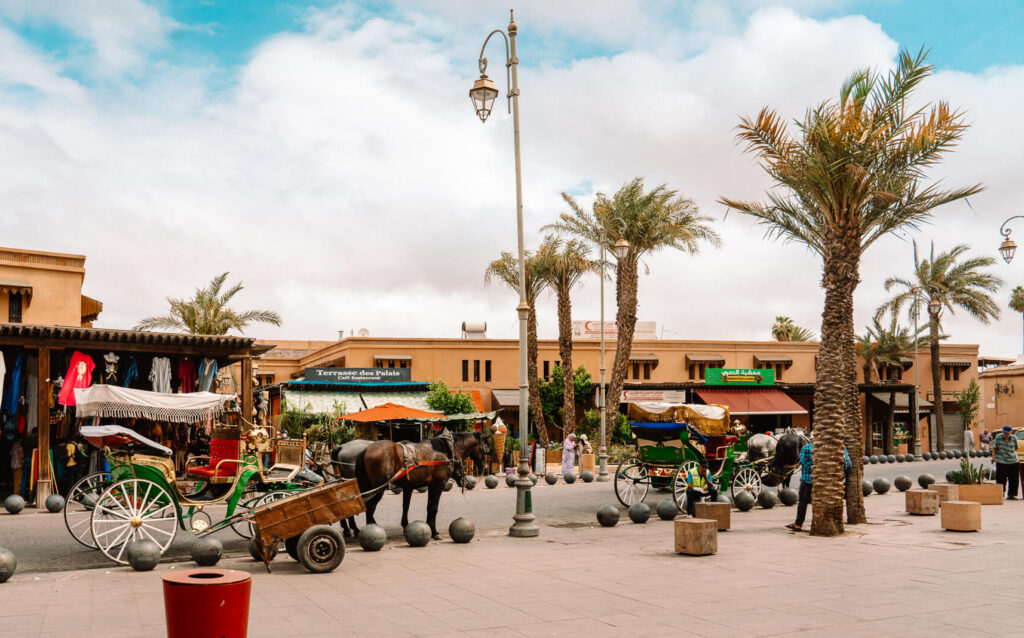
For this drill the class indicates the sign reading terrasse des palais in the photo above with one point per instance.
(358, 375)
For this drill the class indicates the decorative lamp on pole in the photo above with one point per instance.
(1008, 247)
(483, 95)
(621, 251)
(917, 377)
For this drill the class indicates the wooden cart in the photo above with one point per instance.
(304, 522)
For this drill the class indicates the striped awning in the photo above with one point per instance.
(954, 362)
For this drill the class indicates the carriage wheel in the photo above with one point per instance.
(321, 549)
(248, 501)
(81, 501)
(746, 480)
(632, 482)
(133, 509)
(679, 484)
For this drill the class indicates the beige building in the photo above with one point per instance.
(1002, 395)
(44, 288)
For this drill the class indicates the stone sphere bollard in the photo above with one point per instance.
(449, 484)
(608, 515)
(469, 482)
(882, 458)
(867, 459)
(881, 485)
(461, 530)
(909, 458)
(510, 480)
(924, 480)
(143, 555)
(417, 534)
(891, 458)
(767, 499)
(902, 483)
(949, 476)
(900, 458)
(206, 551)
(372, 538)
(587, 476)
(569, 477)
(744, 501)
(54, 503)
(14, 504)
(867, 488)
(873, 459)
(639, 512)
(958, 454)
(532, 477)
(8, 564)
(666, 509)
(491, 482)
(788, 496)
(927, 456)
(550, 478)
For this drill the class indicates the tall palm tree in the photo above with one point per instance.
(952, 283)
(649, 221)
(785, 330)
(853, 174)
(1017, 302)
(506, 270)
(207, 312)
(565, 262)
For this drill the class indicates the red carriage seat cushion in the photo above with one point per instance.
(220, 449)
(716, 446)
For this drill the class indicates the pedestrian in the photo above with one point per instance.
(985, 439)
(568, 454)
(806, 480)
(1004, 454)
(698, 487)
(17, 462)
(968, 439)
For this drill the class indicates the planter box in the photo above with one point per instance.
(555, 456)
(588, 462)
(986, 493)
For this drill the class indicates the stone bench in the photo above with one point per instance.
(922, 502)
(715, 511)
(696, 536)
(961, 516)
(947, 491)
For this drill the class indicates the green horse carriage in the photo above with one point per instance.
(673, 439)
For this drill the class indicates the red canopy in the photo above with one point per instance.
(752, 401)
(390, 412)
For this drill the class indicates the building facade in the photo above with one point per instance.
(44, 288)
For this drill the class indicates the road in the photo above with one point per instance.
(41, 542)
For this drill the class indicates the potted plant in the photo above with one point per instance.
(971, 486)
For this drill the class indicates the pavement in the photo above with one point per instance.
(897, 575)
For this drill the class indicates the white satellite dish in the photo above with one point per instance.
(363, 332)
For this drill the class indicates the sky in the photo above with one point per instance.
(327, 155)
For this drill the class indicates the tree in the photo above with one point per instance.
(853, 174)
(552, 396)
(785, 330)
(506, 270)
(207, 312)
(968, 402)
(649, 221)
(440, 398)
(1017, 302)
(945, 281)
(565, 262)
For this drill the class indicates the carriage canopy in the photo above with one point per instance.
(710, 419)
(113, 401)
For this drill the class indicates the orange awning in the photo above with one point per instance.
(390, 412)
(751, 401)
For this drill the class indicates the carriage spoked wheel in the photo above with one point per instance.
(80, 503)
(129, 510)
(679, 484)
(632, 482)
(248, 501)
(321, 548)
(746, 480)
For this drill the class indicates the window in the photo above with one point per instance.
(14, 308)
(403, 364)
(476, 370)
(956, 374)
(391, 363)
(946, 372)
(487, 370)
(951, 374)
(380, 363)
(547, 370)
(647, 370)
(697, 371)
(465, 370)
(636, 369)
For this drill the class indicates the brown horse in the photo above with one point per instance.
(432, 463)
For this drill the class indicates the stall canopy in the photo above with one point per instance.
(391, 412)
(746, 402)
(117, 402)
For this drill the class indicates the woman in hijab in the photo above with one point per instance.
(568, 453)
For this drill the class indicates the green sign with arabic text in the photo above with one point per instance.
(739, 376)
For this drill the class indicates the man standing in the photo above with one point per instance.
(1004, 454)
(968, 439)
(806, 466)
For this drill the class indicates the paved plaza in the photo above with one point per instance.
(897, 575)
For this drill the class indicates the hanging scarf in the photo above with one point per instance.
(131, 373)
(79, 376)
(10, 400)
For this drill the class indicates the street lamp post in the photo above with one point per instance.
(483, 95)
(917, 385)
(621, 251)
(1008, 247)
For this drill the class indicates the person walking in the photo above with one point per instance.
(1004, 455)
(985, 439)
(806, 481)
(699, 487)
(968, 439)
(568, 454)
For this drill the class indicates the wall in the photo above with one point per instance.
(1005, 405)
(56, 280)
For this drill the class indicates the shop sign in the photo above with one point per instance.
(664, 396)
(739, 376)
(592, 330)
(358, 375)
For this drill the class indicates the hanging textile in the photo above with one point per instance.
(32, 390)
(131, 373)
(116, 402)
(160, 375)
(13, 388)
(3, 373)
(187, 374)
(207, 373)
(110, 367)
(79, 376)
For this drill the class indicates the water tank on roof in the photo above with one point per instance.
(474, 330)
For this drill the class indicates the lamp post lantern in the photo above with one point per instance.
(1008, 247)
(483, 95)
(621, 250)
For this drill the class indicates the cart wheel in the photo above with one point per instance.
(632, 482)
(291, 545)
(321, 548)
(129, 510)
(78, 509)
(746, 480)
(248, 501)
(679, 484)
(254, 551)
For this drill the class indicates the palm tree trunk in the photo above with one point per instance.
(565, 352)
(890, 425)
(939, 444)
(854, 432)
(536, 410)
(626, 284)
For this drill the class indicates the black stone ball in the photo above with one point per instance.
(569, 477)
(767, 499)
(608, 515)
(417, 534)
(924, 480)
(587, 476)
(143, 555)
(550, 478)
(949, 476)
(867, 459)
(491, 482)
(881, 485)
(510, 480)
(639, 512)
(900, 458)
(532, 477)
(54, 503)
(8, 564)
(909, 458)
(421, 489)
(461, 530)
(449, 484)
(372, 538)
(744, 501)
(788, 496)
(207, 551)
(14, 504)
(891, 458)
(958, 454)
(469, 482)
(927, 456)
(873, 458)
(395, 489)
(867, 488)
(902, 483)
(666, 509)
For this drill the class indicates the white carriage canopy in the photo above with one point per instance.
(710, 419)
(116, 402)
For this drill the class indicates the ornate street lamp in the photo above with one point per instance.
(1008, 247)
(483, 95)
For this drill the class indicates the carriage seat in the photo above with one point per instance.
(716, 446)
(224, 446)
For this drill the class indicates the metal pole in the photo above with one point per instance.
(917, 386)
(524, 525)
(602, 448)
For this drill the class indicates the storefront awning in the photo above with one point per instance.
(692, 358)
(903, 401)
(760, 401)
(955, 362)
(771, 358)
(643, 356)
(392, 357)
(506, 398)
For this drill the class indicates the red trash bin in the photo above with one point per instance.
(207, 602)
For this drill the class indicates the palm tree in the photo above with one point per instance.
(785, 330)
(649, 221)
(853, 174)
(207, 312)
(947, 283)
(564, 264)
(1017, 301)
(506, 270)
